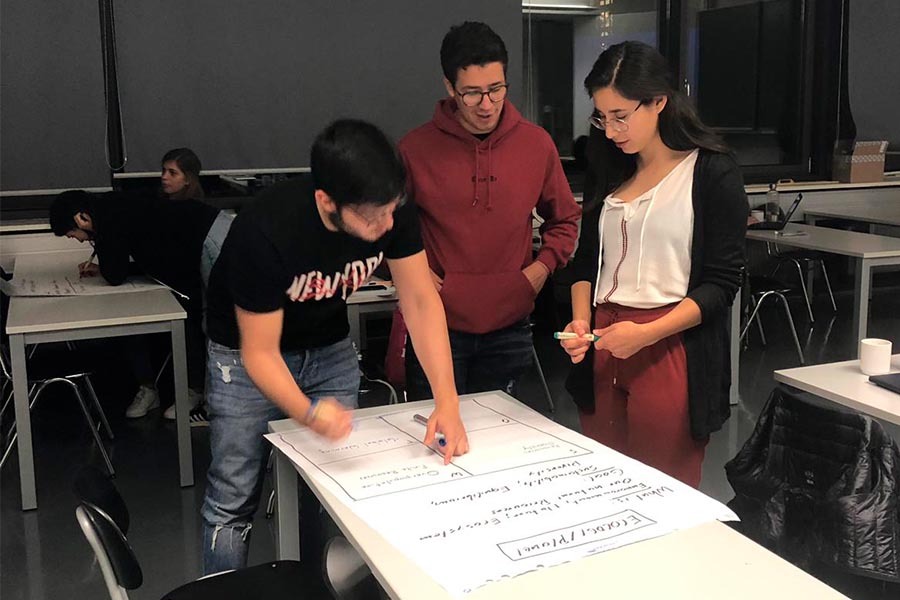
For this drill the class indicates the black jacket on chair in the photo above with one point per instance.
(820, 486)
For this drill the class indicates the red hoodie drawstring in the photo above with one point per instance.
(490, 176)
(475, 201)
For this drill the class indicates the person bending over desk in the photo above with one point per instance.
(477, 171)
(278, 326)
(175, 243)
(660, 258)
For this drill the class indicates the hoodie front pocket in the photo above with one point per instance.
(479, 303)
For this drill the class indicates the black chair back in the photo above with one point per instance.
(95, 487)
(273, 581)
(111, 545)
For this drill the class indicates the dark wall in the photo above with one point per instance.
(874, 70)
(245, 84)
(51, 96)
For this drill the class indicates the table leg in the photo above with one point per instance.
(734, 395)
(363, 333)
(182, 410)
(353, 316)
(23, 422)
(287, 522)
(810, 265)
(861, 301)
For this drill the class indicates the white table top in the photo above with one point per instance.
(882, 213)
(31, 315)
(371, 297)
(25, 225)
(810, 186)
(844, 384)
(709, 561)
(367, 297)
(835, 241)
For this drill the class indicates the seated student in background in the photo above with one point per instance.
(180, 176)
(477, 170)
(663, 253)
(175, 243)
(279, 336)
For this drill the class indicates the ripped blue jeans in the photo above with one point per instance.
(239, 414)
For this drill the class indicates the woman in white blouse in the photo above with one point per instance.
(660, 260)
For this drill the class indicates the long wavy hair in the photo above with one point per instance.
(640, 73)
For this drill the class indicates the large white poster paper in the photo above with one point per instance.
(56, 274)
(530, 494)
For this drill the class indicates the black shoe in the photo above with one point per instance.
(198, 417)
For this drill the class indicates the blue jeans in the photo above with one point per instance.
(481, 362)
(239, 414)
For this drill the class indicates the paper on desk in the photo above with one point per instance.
(56, 274)
(531, 494)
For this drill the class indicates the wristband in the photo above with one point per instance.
(312, 411)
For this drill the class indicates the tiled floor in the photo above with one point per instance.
(44, 556)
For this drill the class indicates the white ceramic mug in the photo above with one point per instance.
(759, 215)
(874, 356)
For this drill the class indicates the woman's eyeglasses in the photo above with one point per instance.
(619, 123)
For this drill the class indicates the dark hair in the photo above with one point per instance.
(639, 72)
(354, 162)
(190, 165)
(64, 208)
(471, 43)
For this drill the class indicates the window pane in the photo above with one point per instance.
(560, 47)
(741, 61)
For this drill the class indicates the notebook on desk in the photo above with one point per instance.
(890, 381)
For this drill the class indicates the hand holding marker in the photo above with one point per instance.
(85, 266)
(438, 436)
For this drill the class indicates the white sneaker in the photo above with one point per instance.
(144, 401)
(194, 397)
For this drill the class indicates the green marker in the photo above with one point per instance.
(568, 335)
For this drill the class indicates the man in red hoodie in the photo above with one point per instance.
(477, 171)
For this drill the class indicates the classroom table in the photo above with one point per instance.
(886, 213)
(708, 561)
(843, 383)
(867, 250)
(35, 320)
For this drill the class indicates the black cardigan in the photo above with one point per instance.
(717, 258)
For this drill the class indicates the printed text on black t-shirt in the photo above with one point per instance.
(315, 286)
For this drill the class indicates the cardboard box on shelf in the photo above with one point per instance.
(863, 162)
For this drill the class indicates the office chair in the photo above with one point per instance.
(540, 371)
(347, 576)
(36, 387)
(758, 290)
(803, 260)
(103, 518)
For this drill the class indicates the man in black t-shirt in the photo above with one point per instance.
(277, 318)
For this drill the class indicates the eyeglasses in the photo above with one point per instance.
(618, 123)
(376, 216)
(476, 97)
